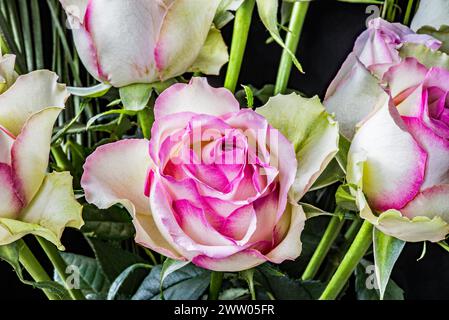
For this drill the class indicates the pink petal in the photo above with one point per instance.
(394, 170)
(437, 148)
(10, 202)
(198, 97)
(431, 202)
(117, 172)
(193, 222)
(243, 260)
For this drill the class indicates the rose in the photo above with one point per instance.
(400, 155)
(217, 177)
(31, 200)
(355, 90)
(144, 41)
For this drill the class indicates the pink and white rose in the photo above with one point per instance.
(144, 41)
(354, 92)
(32, 201)
(216, 185)
(399, 156)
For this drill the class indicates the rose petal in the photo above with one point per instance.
(52, 210)
(394, 170)
(29, 153)
(290, 247)
(437, 148)
(10, 202)
(352, 95)
(198, 97)
(409, 73)
(187, 20)
(243, 260)
(431, 202)
(31, 93)
(116, 173)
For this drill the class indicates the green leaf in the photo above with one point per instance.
(343, 150)
(365, 284)
(311, 211)
(135, 97)
(187, 283)
(345, 199)
(441, 34)
(213, 54)
(169, 266)
(283, 287)
(121, 287)
(268, 10)
(111, 259)
(332, 174)
(249, 96)
(233, 294)
(387, 250)
(223, 15)
(96, 91)
(425, 55)
(107, 113)
(94, 283)
(248, 276)
(114, 223)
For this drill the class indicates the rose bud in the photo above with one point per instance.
(144, 41)
(32, 201)
(399, 156)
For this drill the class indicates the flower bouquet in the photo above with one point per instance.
(141, 168)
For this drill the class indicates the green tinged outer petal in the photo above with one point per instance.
(183, 32)
(52, 210)
(213, 55)
(392, 222)
(441, 34)
(425, 55)
(311, 130)
(434, 13)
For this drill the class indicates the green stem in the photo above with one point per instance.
(242, 24)
(361, 244)
(216, 280)
(298, 16)
(60, 266)
(331, 233)
(408, 12)
(34, 268)
(61, 159)
(145, 118)
(37, 34)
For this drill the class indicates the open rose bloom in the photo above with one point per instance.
(32, 200)
(355, 90)
(217, 185)
(399, 157)
(144, 41)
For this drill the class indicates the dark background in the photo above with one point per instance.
(328, 36)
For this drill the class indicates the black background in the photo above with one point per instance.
(328, 36)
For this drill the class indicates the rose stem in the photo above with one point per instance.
(242, 24)
(34, 268)
(408, 12)
(60, 266)
(331, 233)
(349, 236)
(216, 280)
(298, 16)
(355, 253)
